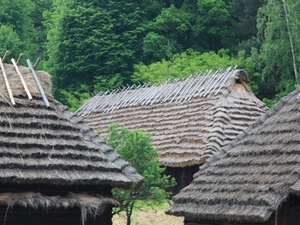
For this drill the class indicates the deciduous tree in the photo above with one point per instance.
(274, 58)
(15, 16)
(136, 148)
(93, 41)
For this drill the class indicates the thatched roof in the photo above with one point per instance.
(50, 145)
(89, 204)
(250, 178)
(189, 119)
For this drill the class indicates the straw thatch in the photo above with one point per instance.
(51, 145)
(42, 145)
(189, 120)
(250, 178)
(89, 204)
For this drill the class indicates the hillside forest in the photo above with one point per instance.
(90, 46)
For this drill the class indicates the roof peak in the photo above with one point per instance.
(23, 81)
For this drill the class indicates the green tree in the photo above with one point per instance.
(199, 25)
(244, 25)
(175, 26)
(16, 15)
(93, 41)
(9, 40)
(274, 58)
(38, 33)
(213, 24)
(182, 65)
(136, 148)
(243, 17)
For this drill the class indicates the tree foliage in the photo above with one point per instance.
(92, 41)
(38, 34)
(9, 40)
(89, 46)
(213, 23)
(188, 62)
(243, 20)
(274, 58)
(16, 23)
(136, 148)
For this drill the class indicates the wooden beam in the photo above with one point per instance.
(7, 84)
(4, 57)
(36, 63)
(38, 83)
(19, 59)
(22, 79)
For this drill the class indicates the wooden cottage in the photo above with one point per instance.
(189, 120)
(254, 180)
(53, 168)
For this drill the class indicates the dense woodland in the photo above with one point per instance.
(94, 45)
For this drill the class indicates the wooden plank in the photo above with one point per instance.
(7, 84)
(22, 79)
(38, 83)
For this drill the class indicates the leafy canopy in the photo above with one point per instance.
(136, 148)
(182, 65)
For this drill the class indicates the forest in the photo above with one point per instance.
(89, 46)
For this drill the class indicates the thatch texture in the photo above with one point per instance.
(90, 205)
(250, 178)
(50, 145)
(189, 120)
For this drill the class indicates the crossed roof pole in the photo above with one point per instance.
(32, 69)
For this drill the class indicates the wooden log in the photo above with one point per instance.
(19, 59)
(36, 63)
(7, 84)
(22, 79)
(4, 57)
(38, 83)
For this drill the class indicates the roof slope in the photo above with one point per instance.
(249, 179)
(189, 120)
(40, 144)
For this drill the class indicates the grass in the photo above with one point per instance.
(148, 214)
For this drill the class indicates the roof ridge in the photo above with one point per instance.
(201, 84)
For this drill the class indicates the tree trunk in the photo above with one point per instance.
(129, 209)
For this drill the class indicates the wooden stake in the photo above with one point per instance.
(7, 84)
(37, 81)
(22, 79)
(36, 63)
(5, 55)
(19, 59)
